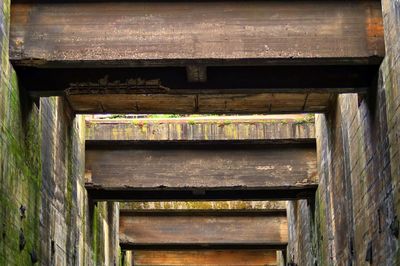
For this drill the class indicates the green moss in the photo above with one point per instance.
(20, 170)
(95, 236)
(116, 116)
(164, 116)
(320, 229)
(308, 119)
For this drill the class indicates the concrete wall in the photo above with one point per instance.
(357, 205)
(45, 215)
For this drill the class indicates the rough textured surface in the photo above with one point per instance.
(204, 205)
(80, 233)
(300, 247)
(205, 257)
(356, 218)
(280, 128)
(140, 33)
(127, 168)
(86, 102)
(204, 165)
(20, 163)
(43, 204)
(166, 229)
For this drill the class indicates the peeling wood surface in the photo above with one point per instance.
(198, 167)
(181, 229)
(144, 33)
(190, 103)
(205, 257)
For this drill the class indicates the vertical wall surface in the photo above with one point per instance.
(45, 215)
(75, 230)
(357, 205)
(20, 163)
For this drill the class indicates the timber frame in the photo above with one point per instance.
(196, 56)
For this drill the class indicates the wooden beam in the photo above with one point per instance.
(191, 103)
(234, 80)
(204, 257)
(178, 33)
(273, 128)
(154, 170)
(203, 229)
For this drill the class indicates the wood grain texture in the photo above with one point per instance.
(276, 128)
(205, 165)
(170, 230)
(190, 103)
(158, 33)
(205, 257)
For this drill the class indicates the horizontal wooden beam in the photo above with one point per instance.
(220, 80)
(195, 33)
(275, 128)
(204, 257)
(200, 170)
(188, 206)
(192, 103)
(183, 230)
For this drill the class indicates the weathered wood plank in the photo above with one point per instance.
(160, 33)
(275, 128)
(152, 230)
(236, 205)
(239, 103)
(192, 170)
(205, 257)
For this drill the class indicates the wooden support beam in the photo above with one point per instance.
(207, 57)
(204, 257)
(203, 230)
(275, 128)
(178, 33)
(147, 170)
(191, 103)
(247, 80)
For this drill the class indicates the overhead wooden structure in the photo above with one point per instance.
(196, 56)
(195, 34)
(180, 230)
(193, 170)
(256, 257)
(184, 102)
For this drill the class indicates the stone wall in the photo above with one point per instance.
(45, 215)
(357, 205)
